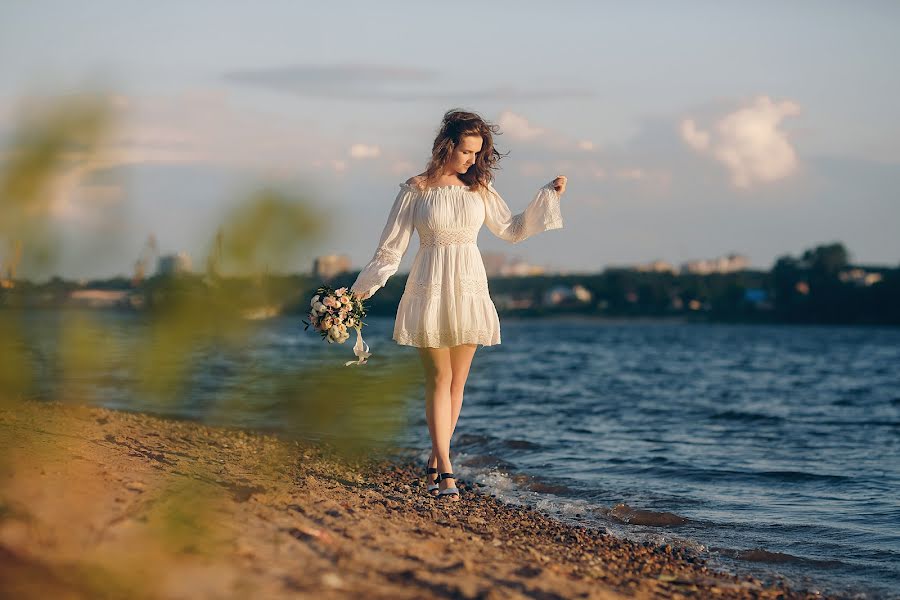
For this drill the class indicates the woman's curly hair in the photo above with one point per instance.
(455, 125)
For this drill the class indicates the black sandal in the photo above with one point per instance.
(450, 491)
(432, 486)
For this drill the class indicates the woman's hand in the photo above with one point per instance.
(362, 295)
(559, 184)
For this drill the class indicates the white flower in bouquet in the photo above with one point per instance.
(333, 312)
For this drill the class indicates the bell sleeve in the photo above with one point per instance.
(391, 247)
(541, 215)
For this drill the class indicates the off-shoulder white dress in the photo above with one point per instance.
(446, 300)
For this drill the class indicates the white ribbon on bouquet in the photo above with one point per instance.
(360, 349)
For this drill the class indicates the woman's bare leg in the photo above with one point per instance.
(438, 410)
(460, 361)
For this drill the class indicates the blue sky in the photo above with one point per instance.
(687, 130)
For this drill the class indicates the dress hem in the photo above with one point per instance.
(431, 340)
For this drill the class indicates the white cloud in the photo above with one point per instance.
(532, 169)
(749, 142)
(206, 126)
(401, 167)
(364, 151)
(73, 195)
(200, 126)
(632, 174)
(336, 165)
(517, 127)
(696, 139)
(586, 145)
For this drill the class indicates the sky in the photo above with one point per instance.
(687, 130)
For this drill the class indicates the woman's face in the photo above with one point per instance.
(465, 153)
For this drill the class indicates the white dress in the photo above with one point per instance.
(446, 300)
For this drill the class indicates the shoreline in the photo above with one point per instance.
(103, 503)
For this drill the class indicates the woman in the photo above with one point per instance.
(445, 310)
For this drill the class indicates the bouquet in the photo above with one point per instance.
(332, 313)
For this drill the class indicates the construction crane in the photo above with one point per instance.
(214, 260)
(149, 255)
(10, 265)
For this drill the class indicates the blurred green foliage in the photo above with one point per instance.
(184, 316)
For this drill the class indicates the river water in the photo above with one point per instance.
(773, 450)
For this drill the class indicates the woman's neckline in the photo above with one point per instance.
(434, 187)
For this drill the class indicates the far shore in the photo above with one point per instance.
(97, 503)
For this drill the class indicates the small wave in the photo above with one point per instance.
(471, 439)
(738, 415)
(496, 475)
(578, 430)
(534, 484)
(866, 423)
(625, 514)
(543, 487)
(768, 556)
(801, 476)
(520, 444)
(488, 460)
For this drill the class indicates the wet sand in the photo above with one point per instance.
(96, 503)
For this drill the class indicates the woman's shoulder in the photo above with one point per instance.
(416, 182)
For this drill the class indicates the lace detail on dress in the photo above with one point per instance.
(466, 287)
(554, 219)
(386, 255)
(516, 228)
(473, 287)
(443, 339)
(446, 237)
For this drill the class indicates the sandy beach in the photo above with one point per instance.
(96, 503)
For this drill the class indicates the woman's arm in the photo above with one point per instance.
(391, 247)
(542, 214)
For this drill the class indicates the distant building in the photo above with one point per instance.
(493, 263)
(99, 298)
(174, 264)
(329, 266)
(565, 295)
(656, 266)
(520, 268)
(513, 301)
(758, 298)
(582, 293)
(860, 277)
(723, 264)
(497, 264)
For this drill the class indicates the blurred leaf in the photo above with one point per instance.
(15, 368)
(84, 351)
(51, 141)
(267, 231)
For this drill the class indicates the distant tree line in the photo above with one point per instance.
(812, 288)
(820, 286)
